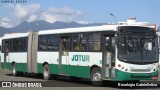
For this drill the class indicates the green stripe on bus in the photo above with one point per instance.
(2, 65)
(124, 76)
(79, 71)
(21, 67)
(54, 68)
(8, 66)
(71, 70)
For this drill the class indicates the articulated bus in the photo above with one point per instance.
(109, 52)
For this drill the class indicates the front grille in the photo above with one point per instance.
(140, 70)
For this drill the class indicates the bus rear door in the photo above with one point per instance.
(64, 54)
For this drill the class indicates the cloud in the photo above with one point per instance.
(33, 12)
(6, 22)
(25, 11)
(20, 13)
(83, 22)
(32, 18)
(65, 14)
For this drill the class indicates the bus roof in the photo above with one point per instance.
(84, 29)
(68, 30)
(80, 29)
(14, 35)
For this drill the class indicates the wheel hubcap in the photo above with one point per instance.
(46, 72)
(96, 77)
(14, 71)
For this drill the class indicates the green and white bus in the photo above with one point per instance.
(109, 52)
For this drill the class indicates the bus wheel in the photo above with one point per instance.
(96, 77)
(46, 72)
(14, 72)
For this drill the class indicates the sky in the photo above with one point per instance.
(81, 11)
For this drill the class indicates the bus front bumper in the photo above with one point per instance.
(125, 76)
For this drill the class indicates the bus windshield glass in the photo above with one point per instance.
(137, 48)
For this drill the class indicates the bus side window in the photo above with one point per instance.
(43, 42)
(79, 45)
(23, 44)
(80, 42)
(48, 43)
(94, 42)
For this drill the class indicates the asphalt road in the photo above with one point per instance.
(66, 83)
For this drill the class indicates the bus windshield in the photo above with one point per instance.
(137, 48)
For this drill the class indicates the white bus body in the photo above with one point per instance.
(88, 52)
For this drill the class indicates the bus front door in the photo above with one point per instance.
(108, 56)
(64, 55)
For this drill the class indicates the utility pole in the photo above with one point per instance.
(113, 17)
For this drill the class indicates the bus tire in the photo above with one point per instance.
(46, 72)
(96, 77)
(14, 72)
